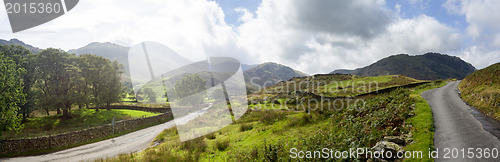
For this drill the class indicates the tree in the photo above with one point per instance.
(101, 77)
(192, 86)
(112, 84)
(150, 95)
(59, 80)
(11, 94)
(24, 59)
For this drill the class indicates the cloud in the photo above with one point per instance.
(311, 36)
(321, 40)
(483, 29)
(480, 14)
(186, 26)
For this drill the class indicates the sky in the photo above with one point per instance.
(313, 36)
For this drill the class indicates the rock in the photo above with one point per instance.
(387, 146)
(407, 138)
(396, 139)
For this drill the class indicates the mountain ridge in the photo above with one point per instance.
(18, 42)
(268, 74)
(429, 66)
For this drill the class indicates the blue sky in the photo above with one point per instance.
(313, 36)
(229, 7)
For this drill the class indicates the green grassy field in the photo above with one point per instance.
(268, 135)
(81, 119)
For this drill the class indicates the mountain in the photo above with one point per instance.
(107, 50)
(246, 67)
(481, 89)
(110, 51)
(20, 43)
(268, 74)
(429, 66)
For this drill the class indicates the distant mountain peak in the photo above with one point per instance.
(429, 66)
(268, 74)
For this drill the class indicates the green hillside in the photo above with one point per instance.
(481, 89)
(268, 132)
(429, 66)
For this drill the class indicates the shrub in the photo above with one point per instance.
(221, 145)
(245, 127)
(194, 144)
(269, 117)
(211, 136)
(271, 151)
(306, 118)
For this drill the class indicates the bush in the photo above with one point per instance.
(269, 117)
(194, 144)
(221, 145)
(211, 136)
(271, 151)
(245, 127)
(306, 118)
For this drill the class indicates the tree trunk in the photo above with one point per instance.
(47, 110)
(66, 112)
(58, 110)
(108, 105)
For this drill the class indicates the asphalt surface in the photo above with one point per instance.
(128, 143)
(456, 128)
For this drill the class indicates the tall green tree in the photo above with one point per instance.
(24, 58)
(101, 80)
(59, 79)
(11, 94)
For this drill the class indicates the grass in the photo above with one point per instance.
(331, 85)
(422, 122)
(481, 89)
(268, 133)
(275, 132)
(81, 119)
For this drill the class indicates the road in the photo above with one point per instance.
(456, 127)
(131, 142)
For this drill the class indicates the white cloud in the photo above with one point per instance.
(321, 44)
(483, 28)
(480, 56)
(186, 26)
(482, 15)
(311, 36)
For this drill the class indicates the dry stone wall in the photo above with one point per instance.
(69, 138)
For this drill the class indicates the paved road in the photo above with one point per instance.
(131, 142)
(455, 125)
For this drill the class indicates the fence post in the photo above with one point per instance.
(113, 125)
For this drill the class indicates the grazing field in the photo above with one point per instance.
(273, 134)
(81, 119)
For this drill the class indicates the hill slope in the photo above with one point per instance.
(268, 74)
(20, 43)
(481, 89)
(430, 66)
(107, 50)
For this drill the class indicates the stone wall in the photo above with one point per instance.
(69, 138)
(149, 109)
